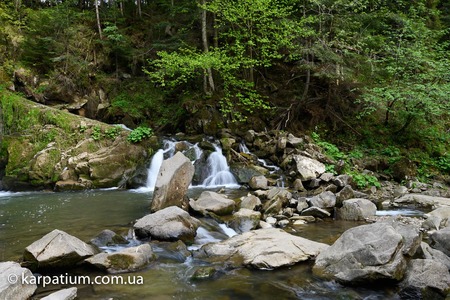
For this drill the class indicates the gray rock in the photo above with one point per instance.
(429, 253)
(258, 183)
(400, 191)
(438, 218)
(356, 210)
(174, 178)
(65, 294)
(251, 202)
(57, 249)
(302, 204)
(213, 202)
(440, 240)
(263, 249)
(298, 185)
(169, 224)
(245, 220)
(308, 168)
(323, 200)
(294, 141)
(422, 201)
(367, 254)
(316, 212)
(343, 180)
(346, 193)
(327, 177)
(425, 279)
(9, 289)
(277, 199)
(126, 260)
(108, 237)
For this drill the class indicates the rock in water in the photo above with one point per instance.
(368, 253)
(169, 224)
(356, 209)
(263, 249)
(9, 271)
(174, 178)
(126, 260)
(213, 202)
(65, 294)
(57, 249)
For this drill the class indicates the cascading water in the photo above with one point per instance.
(218, 170)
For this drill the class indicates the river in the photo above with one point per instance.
(26, 217)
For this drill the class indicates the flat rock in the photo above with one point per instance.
(213, 202)
(65, 294)
(169, 224)
(263, 249)
(57, 249)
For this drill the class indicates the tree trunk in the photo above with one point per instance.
(209, 86)
(139, 9)
(97, 13)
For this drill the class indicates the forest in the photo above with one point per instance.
(363, 78)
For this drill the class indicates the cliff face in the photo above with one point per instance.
(42, 147)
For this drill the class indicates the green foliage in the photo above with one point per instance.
(364, 180)
(330, 149)
(96, 133)
(139, 134)
(113, 132)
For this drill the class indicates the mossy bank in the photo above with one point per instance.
(45, 148)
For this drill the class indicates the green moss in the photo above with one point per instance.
(121, 261)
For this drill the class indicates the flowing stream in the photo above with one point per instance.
(26, 217)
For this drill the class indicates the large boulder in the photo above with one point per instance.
(425, 279)
(126, 260)
(438, 218)
(356, 209)
(11, 285)
(168, 224)
(258, 183)
(440, 240)
(245, 220)
(308, 168)
(425, 251)
(56, 249)
(214, 203)
(323, 200)
(107, 238)
(262, 249)
(422, 201)
(174, 178)
(251, 202)
(369, 253)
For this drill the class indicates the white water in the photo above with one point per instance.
(227, 230)
(218, 171)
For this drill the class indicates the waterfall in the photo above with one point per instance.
(217, 173)
(218, 170)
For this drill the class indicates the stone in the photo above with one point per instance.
(258, 183)
(277, 199)
(400, 191)
(262, 249)
(174, 178)
(169, 224)
(308, 168)
(344, 194)
(323, 200)
(440, 240)
(125, 260)
(245, 220)
(298, 185)
(422, 201)
(214, 203)
(356, 210)
(316, 212)
(425, 251)
(56, 250)
(327, 177)
(107, 238)
(271, 221)
(251, 202)
(10, 288)
(437, 219)
(343, 180)
(64, 294)
(369, 253)
(425, 279)
(302, 204)
(294, 141)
